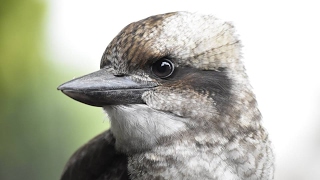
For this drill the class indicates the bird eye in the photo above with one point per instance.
(162, 68)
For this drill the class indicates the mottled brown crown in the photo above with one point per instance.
(200, 41)
(130, 49)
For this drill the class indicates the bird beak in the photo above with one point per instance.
(102, 88)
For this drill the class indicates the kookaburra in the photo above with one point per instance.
(179, 103)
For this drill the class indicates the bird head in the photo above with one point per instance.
(183, 68)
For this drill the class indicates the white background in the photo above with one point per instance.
(281, 53)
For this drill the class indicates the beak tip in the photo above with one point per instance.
(70, 85)
(61, 87)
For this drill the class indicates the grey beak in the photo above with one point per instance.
(102, 88)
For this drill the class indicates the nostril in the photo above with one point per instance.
(119, 75)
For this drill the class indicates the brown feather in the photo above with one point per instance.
(98, 160)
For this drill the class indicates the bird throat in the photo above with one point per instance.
(138, 128)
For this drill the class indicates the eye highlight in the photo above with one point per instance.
(162, 68)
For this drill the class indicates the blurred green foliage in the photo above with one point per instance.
(39, 127)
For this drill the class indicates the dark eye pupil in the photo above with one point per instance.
(162, 68)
